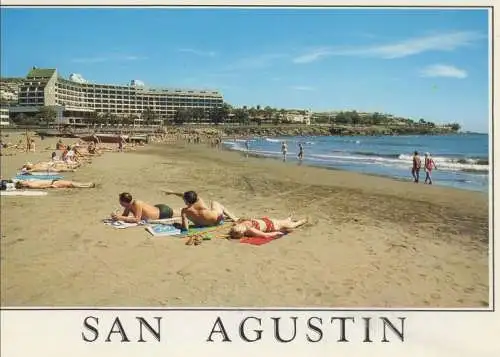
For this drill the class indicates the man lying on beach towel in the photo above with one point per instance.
(199, 213)
(264, 227)
(38, 184)
(142, 211)
(47, 166)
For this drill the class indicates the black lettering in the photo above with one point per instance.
(242, 330)
(399, 333)
(315, 328)
(221, 330)
(155, 333)
(93, 329)
(342, 327)
(120, 331)
(367, 329)
(277, 329)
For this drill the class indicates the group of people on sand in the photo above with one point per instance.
(72, 157)
(26, 143)
(202, 215)
(429, 165)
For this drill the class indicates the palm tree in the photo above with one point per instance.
(253, 113)
(93, 119)
(181, 116)
(198, 114)
(47, 114)
(268, 113)
(148, 116)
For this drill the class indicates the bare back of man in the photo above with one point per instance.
(143, 211)
(198, 212)
(203, 215)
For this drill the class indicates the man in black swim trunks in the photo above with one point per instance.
(142, 211)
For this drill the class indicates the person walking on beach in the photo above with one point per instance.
(120, 143)
(247, 147)
(200, 213)
(429, 164)
(284, 149)
(417, 163)
(301, 152)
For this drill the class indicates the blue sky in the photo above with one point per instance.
(430, 64)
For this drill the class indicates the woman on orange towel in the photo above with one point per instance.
(264, 227)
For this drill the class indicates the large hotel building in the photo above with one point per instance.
(76, 101)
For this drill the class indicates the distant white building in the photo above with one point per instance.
(8, 95)
(4, 116)
(299, 116)
(76, 101)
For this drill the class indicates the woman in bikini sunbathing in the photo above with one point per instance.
(264, 227)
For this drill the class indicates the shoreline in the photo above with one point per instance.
(295, 162)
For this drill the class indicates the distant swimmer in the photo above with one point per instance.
(141, 210)
(429, 164)
(301, 152)
(284, 150)
(417, 164)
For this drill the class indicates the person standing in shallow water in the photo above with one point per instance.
(301, 152)
(429, 164)
(417, 163)
(247, 147)
(284, 149)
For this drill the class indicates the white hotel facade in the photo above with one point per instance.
(75, 102)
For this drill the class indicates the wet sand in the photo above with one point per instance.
(371, 242)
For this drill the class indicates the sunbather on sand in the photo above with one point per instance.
(40, 184)
(198, 212)
(52, 166)
(142, 211)
(264, 227)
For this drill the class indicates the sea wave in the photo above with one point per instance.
(376, 154)
(273, 140)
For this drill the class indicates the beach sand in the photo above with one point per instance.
(371, 242)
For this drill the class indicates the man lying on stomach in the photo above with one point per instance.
(200, 213)
(142, 211)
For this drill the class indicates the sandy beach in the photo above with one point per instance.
(371, 241)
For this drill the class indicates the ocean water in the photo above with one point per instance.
(462, 159)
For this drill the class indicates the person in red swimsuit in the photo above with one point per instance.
(429, 164)
(264, 227)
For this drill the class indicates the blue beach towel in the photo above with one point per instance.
(173, 230)
(163, 230)
(37, 177)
